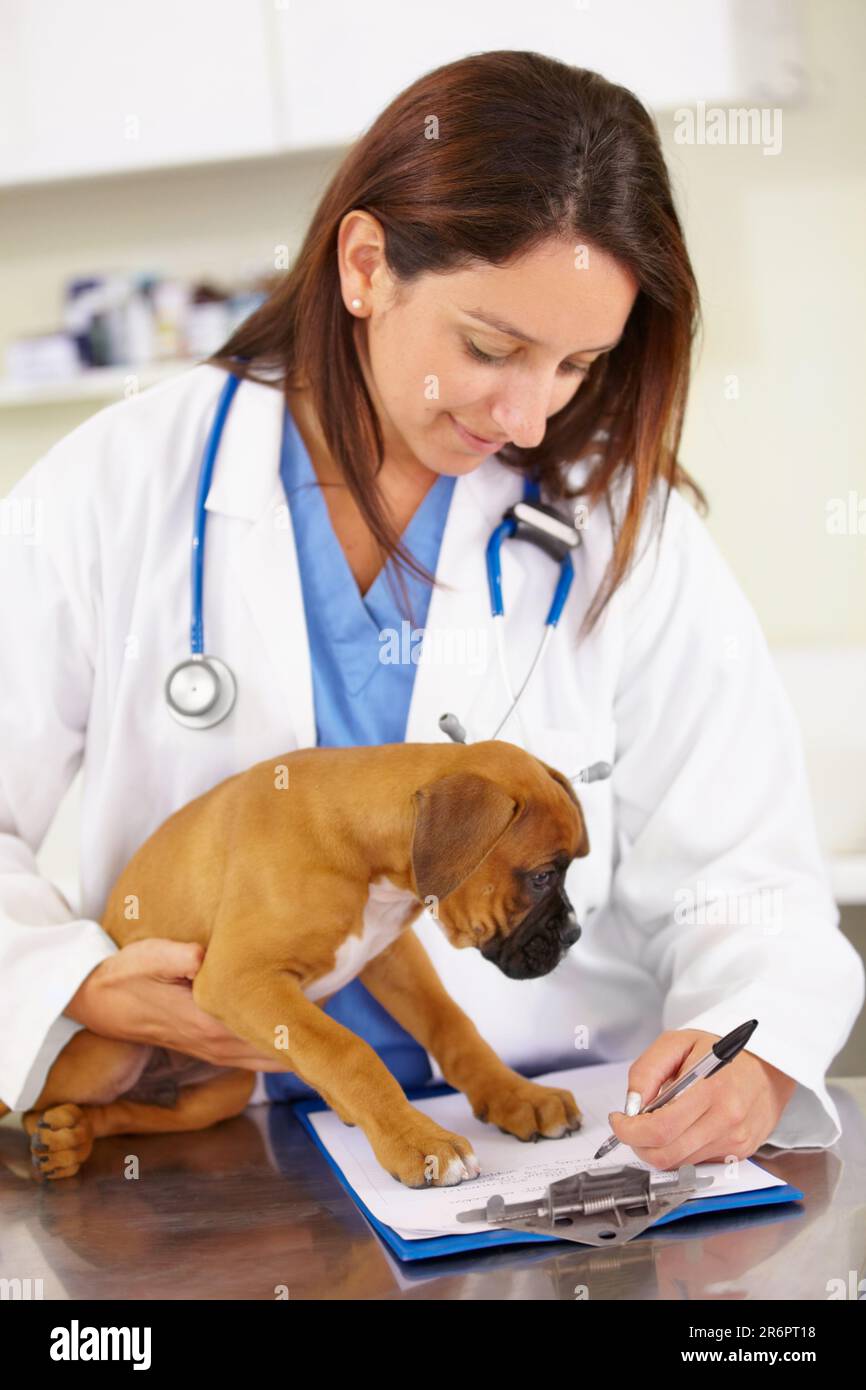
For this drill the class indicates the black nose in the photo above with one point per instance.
(570, 931)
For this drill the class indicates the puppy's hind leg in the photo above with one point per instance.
(68, 1131)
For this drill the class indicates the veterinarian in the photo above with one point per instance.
(509, 299)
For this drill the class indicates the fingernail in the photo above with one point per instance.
(632, 1103)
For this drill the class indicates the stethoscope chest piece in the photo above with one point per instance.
(200, 691)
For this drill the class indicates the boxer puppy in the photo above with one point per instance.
(302, 873)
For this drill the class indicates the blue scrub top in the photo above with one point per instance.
(358, 698)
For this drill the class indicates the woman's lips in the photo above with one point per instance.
(473, 440)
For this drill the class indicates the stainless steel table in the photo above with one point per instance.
(213, 1216)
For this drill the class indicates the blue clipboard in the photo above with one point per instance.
(431, 1247)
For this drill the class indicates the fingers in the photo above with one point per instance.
(709, 1140)
(261, 1064)
(182, 960)
(216, 1043)
(663, 1063)
(701, 1137)
(165, 959)
(715, 1120)
(665, 1060)
(664, 1127)
(190, 1028)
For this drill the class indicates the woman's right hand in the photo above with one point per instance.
(143, 994)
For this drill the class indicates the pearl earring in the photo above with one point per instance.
(357, 304)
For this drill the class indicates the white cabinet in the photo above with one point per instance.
(342, 62)
(99, 86)
(96, 86)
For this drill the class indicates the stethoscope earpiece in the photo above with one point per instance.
(596, 772)
(450, 725)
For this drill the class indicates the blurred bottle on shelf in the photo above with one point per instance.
(134, 320)
(170, 300)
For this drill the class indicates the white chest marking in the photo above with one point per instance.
(385, 913)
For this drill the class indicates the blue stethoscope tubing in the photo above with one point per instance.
(208, 461)
(201, 689)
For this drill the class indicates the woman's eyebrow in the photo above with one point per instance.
(502, 326)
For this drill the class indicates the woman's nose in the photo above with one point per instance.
(524, 420)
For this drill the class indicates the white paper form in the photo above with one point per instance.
(518, 1171)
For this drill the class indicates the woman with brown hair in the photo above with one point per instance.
(493, 300)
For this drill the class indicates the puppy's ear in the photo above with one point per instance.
(583, 846)
(458, 820)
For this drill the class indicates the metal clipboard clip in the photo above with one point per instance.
(605, 1206)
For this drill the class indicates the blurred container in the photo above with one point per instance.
(170, 300)
(43, 357)
(122, 319)
(207, 320)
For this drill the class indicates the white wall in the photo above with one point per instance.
(778, 246)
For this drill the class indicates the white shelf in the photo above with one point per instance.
(97, 384)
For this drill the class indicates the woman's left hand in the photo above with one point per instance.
(728, 1115)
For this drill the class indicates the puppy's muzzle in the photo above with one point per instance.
(538, 944)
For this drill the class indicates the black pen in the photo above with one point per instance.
(722, 1052)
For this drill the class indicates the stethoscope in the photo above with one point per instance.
(529, 520)
(201, 690)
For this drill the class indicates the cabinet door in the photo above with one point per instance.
(342, 61)
(93, 86)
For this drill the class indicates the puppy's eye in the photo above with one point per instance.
(543, 879)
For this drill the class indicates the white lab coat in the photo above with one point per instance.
(676, 687)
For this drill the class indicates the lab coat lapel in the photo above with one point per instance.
(247, 485)
(461, 674)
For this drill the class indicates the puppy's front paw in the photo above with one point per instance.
(426, 1155)
(520, 1107)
